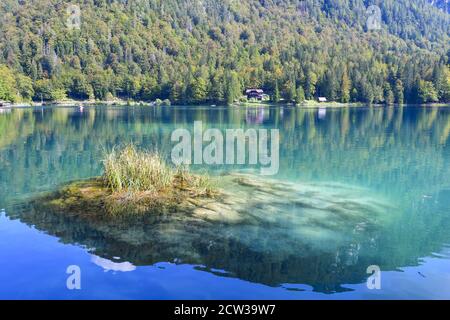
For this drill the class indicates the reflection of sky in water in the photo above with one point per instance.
(44, 277)
(109, 265)
(396, 156)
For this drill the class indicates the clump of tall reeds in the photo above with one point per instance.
(132, 170)
(141, 181)
(196, 184)
(133, 182)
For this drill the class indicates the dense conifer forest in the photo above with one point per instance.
(209, 51)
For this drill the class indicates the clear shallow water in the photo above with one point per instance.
(398, 157)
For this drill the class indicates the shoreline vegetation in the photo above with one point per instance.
(118, 102)
(70, 103)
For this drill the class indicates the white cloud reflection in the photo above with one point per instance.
(109, 265)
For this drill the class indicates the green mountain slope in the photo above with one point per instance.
(202, 51)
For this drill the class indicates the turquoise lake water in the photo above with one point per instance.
(373, 187)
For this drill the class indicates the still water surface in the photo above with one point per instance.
(391, 164)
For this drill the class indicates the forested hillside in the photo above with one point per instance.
(199, 51)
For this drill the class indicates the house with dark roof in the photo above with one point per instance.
(257, 94)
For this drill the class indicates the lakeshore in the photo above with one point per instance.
(341, 201)
(121, 103)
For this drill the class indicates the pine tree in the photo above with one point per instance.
(345, 87)
(311, 80)
(289, 91)
(198, 89)
(329, 85)
(232, 88)
(300, 95)
(217, 92)
(399, 92)
(276, 93)
(441, 82)
(367, 93)
(427, 92)
(388, 94)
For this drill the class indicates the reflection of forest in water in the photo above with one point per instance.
(401, 153)
(377, 147)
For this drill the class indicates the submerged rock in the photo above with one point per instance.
(242, 198)
(261, 230)
(92, 199)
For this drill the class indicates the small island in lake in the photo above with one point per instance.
(139, 183)
(133, 182)
(145, 212)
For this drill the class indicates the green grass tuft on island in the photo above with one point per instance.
(133, 182)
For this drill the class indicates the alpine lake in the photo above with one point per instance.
(356, 187)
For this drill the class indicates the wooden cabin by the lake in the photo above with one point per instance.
(257, 94)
